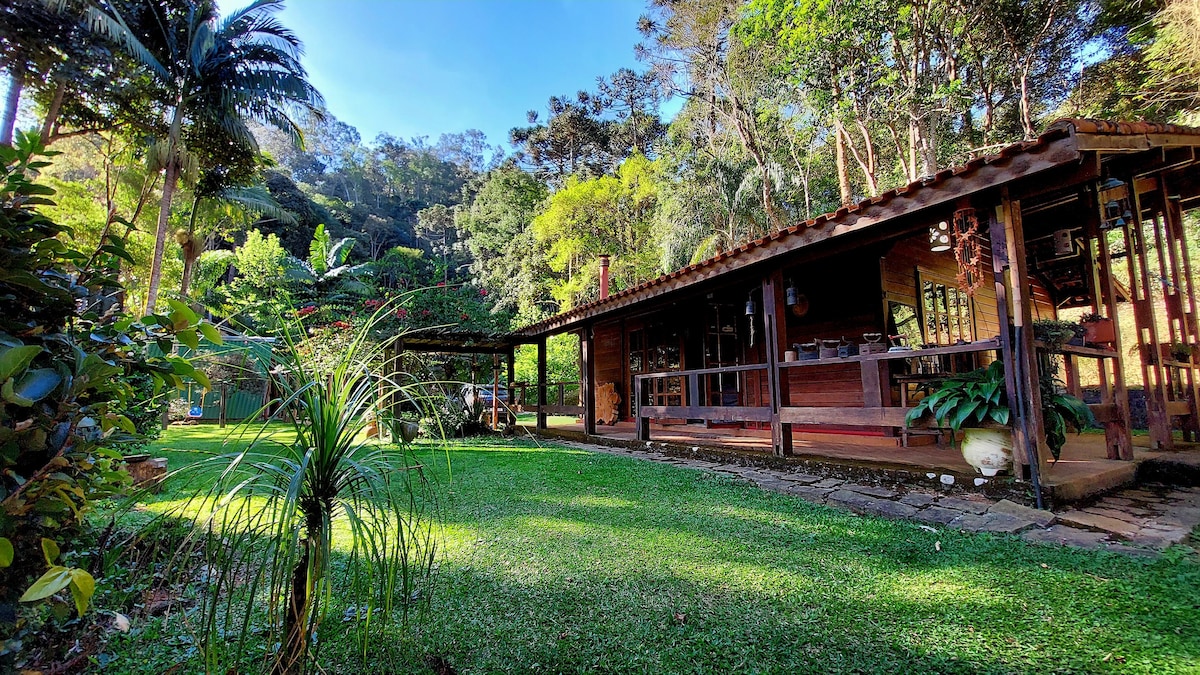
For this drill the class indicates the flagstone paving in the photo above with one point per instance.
(1137, 521)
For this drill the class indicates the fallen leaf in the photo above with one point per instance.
(121, 622)
(680, 617)
(937, 546)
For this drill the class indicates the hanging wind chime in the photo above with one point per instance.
(968, 252)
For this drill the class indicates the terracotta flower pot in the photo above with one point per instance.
(1100, 331)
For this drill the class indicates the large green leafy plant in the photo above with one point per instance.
(969, 400)
(978, 398)
(276, 504)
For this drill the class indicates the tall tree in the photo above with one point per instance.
(218, 73)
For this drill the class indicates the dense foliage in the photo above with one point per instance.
(72, 364)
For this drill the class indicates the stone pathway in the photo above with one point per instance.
(1138, 521)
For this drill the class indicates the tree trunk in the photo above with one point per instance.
(9, 123)
(170, 178)
(1026, 114)
(295, 623)
(843, 172)
(191, 251)
(51, 121)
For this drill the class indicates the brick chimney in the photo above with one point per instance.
(603, 276)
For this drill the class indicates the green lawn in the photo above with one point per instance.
(557, 560)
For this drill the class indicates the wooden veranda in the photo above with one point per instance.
(1066, 220)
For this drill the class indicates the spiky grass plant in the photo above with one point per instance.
(267, 519)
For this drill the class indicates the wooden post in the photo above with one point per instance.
(1118, 439)
(775, 336)
(1184, 287)
(641, 424)
(541, 389)
(587, 379)
(512, 378)
(1022, 315)
(1153, 372)
(999, 242)
(495, 391)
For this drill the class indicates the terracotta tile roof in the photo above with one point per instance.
(1062, 128)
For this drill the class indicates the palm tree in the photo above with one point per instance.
(216, 74)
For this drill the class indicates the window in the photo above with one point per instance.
(946, 311)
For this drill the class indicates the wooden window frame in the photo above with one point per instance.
(948, 283)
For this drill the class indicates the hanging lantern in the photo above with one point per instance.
(750, 308)
(1064, 243)
(1114, 194)
(939, 237)
(791, 295)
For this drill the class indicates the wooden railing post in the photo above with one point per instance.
(541, 388)
(642, 423)
(587, 381)
(775, 334)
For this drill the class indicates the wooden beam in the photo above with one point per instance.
(1140, 286)
(715, 413)
(999, 242)
(845, 416)
(1118, 439)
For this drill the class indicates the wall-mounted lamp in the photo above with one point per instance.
(939, 237)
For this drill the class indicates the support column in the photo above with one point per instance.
(1021, 356)
(587, 379)
(541, 383)
(511, 357)
(495, 391)
(1118, 440)
(1154, 375)
(1181, 269)
(775, 335)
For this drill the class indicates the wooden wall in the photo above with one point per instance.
(843, 296)
(610, 358)
(899, 272)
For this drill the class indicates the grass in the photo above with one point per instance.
(557, 560)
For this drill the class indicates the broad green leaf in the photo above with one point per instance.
(183, 310)
(6, 552)
(16, 359)
(211, 333)
(33, 387)
(189, 338)
(50, 550)
(202, 379)
(83, 587)
(125, 423)
(54, 580)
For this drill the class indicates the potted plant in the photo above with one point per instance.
(1054, 333)
(1098, 329)
(975, 403)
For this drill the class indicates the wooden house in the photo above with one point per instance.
(959, 263)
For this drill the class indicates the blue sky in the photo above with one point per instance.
(427, 67)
